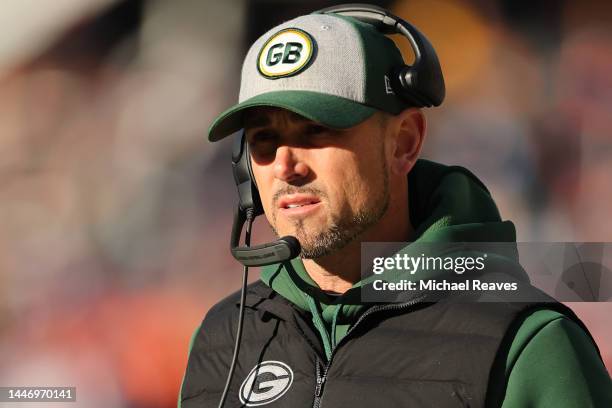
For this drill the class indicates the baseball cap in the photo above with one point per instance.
(331, 69)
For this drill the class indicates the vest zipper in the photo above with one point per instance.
(322, 378)
(319, 387)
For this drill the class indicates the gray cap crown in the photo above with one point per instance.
(350, 60)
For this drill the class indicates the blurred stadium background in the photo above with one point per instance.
(115, 213)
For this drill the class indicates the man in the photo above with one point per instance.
(335, 156)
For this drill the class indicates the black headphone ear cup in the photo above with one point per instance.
(405, 84)
(422, 84)
(248, 195)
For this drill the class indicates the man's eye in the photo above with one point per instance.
(262, 137)
(316, 129)
(263, 144)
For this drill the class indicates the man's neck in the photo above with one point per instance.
(336, 272)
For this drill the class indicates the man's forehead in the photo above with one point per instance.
(267, 115)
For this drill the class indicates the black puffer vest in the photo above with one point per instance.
(415, 354)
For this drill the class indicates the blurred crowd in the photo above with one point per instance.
(115, 212)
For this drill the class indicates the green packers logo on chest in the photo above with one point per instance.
(286, 53)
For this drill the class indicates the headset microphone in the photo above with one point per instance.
(281, 250)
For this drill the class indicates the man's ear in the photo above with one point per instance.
(408, 132)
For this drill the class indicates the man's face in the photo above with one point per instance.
(323, 186)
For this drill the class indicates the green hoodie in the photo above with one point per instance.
(449, 204)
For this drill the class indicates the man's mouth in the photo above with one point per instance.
(298, 204)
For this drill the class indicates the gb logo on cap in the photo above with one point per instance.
(286, 53)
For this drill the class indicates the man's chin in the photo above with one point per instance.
(301, 230)
(300, 235)
(307, 240)
(314, 243)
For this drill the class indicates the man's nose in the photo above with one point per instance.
(288, 165)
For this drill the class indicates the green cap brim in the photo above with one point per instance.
(329, 110)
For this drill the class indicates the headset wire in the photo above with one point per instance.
(247, 240)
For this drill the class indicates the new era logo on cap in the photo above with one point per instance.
(286, 53)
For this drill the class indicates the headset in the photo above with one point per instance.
(249, 207)
(419, 85)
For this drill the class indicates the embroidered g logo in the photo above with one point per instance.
(266, 382)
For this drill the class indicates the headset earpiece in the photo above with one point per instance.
(248, 196)
(420, 84)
